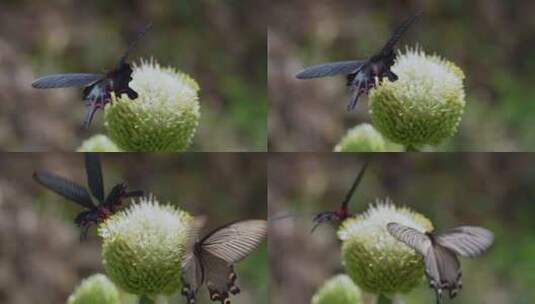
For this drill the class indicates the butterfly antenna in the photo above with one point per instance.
(398, 33)
(134, 43)
(355, 184)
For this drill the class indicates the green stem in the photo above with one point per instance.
(411, 148)
(145, 300)
(384, 300)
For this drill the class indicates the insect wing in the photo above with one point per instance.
(93, 169)
(66, 80)
(235, 241)
(398, 33)
(115, 194)
(192, 270)
(65, 188)
(467, 241)
(355, 184)
(331, 69)
(411, 237)
(133, 44)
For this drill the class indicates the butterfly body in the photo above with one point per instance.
(211, 260)
(94, 213)
(362, 75)
(97, 88)
(440, 252)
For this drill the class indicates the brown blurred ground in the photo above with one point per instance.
(41, 257)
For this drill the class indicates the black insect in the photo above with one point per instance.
(97, 87)
(342, 212)
(440, 251)
(94, 214)
(211, 259)
(361, 74)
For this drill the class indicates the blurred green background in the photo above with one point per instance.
(220, 43)
(492, 41)
(490, 190)
(41, 257)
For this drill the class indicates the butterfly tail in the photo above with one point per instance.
(93, 108)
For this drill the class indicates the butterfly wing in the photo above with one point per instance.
(449, 270)
(94, 175)
(224, 247)
(66, 80)
(354, 186)
(413, 238)
(122, 61)
(397, 34)
(192, 269)
(331, 69)
(235, 241)
(65, 188)
(467, 241)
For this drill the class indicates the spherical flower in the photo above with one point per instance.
(163, 118)
(375, 260)
(98, 143)
(362, 138)
(424, 106)
(95, 289)
(338, 290)
(143, 247)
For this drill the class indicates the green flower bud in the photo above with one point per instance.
(163, 118)
(143, 247)
(338, 290)
(376, 261)
(98, 143)
(362, 138)
(97, 289)
(424, 106)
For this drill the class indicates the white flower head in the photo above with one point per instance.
(165, 115)
(143, 247)
(425, 105)
(375, 260)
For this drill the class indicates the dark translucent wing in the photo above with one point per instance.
(331, 69)
(65, 80)
(235, 241)
(65, 188)
(467, 241)
(354, 186)
(398, 33)
(410, 236)
(116, 193)
(94, 175)
(192, 270)
(133, 44)
(220, 278)
(443, 271)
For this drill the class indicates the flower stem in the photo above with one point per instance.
(411, 148)
(145, 300)
(384, 300)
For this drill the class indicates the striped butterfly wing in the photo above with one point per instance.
(65, 188)
(467, 241)
(331, 69)
(66, 80)
(224, 247)
(192, 271)
(413, 238)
